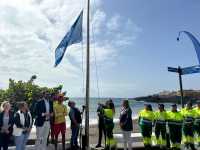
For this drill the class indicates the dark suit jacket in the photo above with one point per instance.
(11, 121)
(39, 110)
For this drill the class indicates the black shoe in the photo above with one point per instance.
(98, 145)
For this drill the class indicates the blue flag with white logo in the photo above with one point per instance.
(73, 36)
(194, 41)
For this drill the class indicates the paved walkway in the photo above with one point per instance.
(32, 147)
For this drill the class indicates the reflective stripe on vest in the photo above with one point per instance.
(197, 120)
(188, 120)
(174, 123)
(163, 122)
(145, 121)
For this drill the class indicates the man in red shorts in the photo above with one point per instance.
(60, 112)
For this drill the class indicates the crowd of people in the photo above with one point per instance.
(171, 127)
(48, 114)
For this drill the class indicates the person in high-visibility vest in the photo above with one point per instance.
(175, 121)
(109, 126)
(160, 126)
(197, 122)
(145, 120)
(188, 126)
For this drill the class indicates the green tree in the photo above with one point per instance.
(25, 91)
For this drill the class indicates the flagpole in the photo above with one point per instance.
(181, 85)
(87, 78)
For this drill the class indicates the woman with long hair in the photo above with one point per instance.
(6, 125)
(126, 124)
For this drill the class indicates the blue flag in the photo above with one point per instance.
(194, 41)
(191, 70)
(74, 35)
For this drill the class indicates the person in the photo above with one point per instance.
(145, 120)
(160, 126)
(75, 117)
(175, 121)
(60, 112)
(188, 126)
(112, 105)
(197, 122)
(22, 126)
(43, 112)
(6, 125)
(126, 124)
(109, 125)
(100, 123)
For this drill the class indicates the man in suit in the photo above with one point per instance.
(43, 112)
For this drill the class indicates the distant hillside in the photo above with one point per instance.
(171, 97)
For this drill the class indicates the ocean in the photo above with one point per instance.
(136, 106)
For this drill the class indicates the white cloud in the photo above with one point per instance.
(30, 30)
(98, 21)
(114, 23)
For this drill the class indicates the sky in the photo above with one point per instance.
(132, 44)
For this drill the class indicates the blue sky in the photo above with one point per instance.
(146, 60)
(134, 41)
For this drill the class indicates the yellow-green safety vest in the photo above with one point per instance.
(174, 118)
(109, 113)
(188, 115)
(160, 117)
(146, 117)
